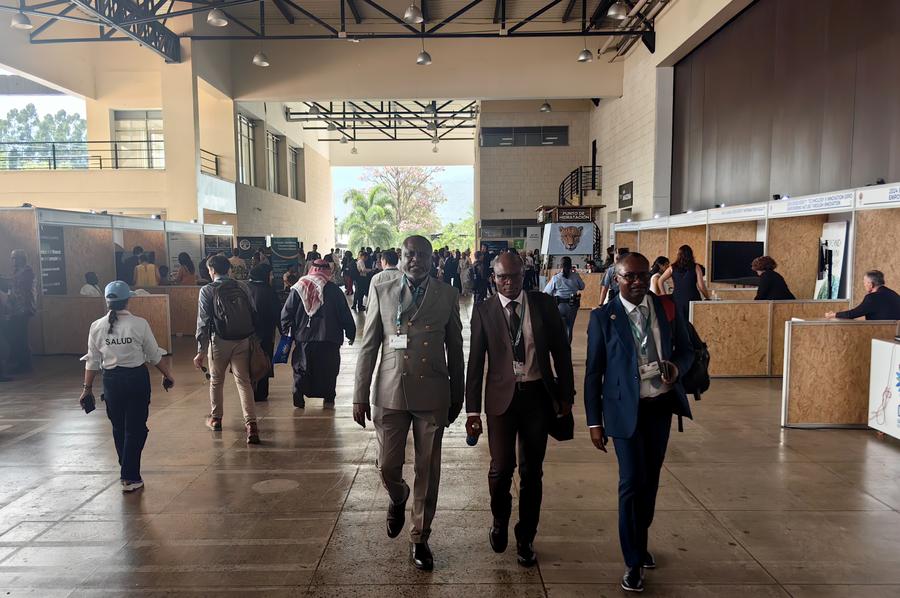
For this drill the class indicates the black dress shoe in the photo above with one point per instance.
(499, 537)
(396, 517)
(422, 557)
(649, 561)
(633, 580)
(525, 554)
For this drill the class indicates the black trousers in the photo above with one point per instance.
(640, 461)
(522, 429)
(19, 351)
(261, 388)
(127, 395)
(316, 367)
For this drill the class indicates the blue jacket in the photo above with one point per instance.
(611, 382)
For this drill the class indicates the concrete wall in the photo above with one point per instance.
(513, 181)
(625, 130)
(136, 192)
(263, 213)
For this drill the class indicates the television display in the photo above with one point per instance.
(731, 261)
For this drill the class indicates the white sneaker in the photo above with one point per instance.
(128, 486)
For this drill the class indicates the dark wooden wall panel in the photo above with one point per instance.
(793, 96)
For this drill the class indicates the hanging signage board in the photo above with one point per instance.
(574, 214)
(838, 201)
(626, 195)
(213, 244)
(679, 220)
(221, 230)
(882, 196)
(53, 260)
(82, 219)
(137, 223)
(248, 246)
(184, 227)
(285, 253)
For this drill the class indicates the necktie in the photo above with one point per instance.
(418, 293)
(514, 322)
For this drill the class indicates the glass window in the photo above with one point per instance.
(292, 173)
(246, 149)
(139, 139)
(272, 163)
(524, 136)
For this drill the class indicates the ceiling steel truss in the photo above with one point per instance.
(395, 120)
(144, 21)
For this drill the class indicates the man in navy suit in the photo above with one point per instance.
(631, 389)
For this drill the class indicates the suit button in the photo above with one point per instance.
(425, 344)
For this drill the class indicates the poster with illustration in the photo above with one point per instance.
(564, 238)
(834, 239)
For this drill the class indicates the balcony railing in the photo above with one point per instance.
(578, 182)
(209, 162)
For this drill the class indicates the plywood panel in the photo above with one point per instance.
(877, 248)
(695, 236)
(794, 244)
(88, 250)
(627, 239)
(782, 311)
(733, 231)
(18, 230)
(67, 320)
(653, 243)
(737, 334)
(733, 294)
(149, 240)
(828, 374)
(183, 306)
(590, 296)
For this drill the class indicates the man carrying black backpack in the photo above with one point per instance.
(225, 323)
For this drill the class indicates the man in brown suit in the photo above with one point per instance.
(413, 323)
(519, 331)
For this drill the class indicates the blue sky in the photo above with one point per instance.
(458, 183)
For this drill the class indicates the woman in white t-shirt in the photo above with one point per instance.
(91, 286)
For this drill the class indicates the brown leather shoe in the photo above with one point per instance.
(252, 433)
(214, 423)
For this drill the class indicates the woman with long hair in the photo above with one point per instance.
(145, 273)
(687, 275)
(187, 274)
(565, 286)
(347, 272)
(660, 265)
(120, 345)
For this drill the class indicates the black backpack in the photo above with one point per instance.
(696, 379)
(232, 311)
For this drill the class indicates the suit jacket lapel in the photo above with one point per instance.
(537, 324)
(501, 327)
(619, 319)
(427, 300)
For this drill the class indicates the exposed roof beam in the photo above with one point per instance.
(500, 11)
(354, 10)
(452, 17)
(50, 22)
(600, 12)
(533, 15)
(154, 36)
(284, 10)
(426, 13)
(310, 16)
(567, 15)
(391, 15)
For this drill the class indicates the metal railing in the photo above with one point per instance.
(578, 182)
(209, 162)
(81, 155)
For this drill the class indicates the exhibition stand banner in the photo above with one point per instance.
(53, 260)
(568, 239)
(285, 253)
(189, 243)
(248, 246)
(833, 244)
(213, 244)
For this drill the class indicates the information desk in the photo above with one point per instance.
(884, 387)
(67, 320)
(826, 372)
(746, 338)
(182, 307)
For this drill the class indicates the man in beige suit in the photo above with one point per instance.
(413, 323)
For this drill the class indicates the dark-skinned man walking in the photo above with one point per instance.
(413, 322)
(519, 332)
(631, 389)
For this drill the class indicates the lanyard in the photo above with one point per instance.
(641, 337)
(406, 282)
(518, 336)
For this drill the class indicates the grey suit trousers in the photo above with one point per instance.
(391, 431)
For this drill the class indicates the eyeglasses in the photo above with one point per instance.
(635, 276)
(507, 277)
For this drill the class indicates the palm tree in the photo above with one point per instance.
(369, 222)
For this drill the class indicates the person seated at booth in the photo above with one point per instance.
(186, 275)
(880, 302)
(163, 275)
(145, 273)
(91, 286)
(772, 286)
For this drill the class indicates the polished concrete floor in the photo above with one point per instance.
(745, 509)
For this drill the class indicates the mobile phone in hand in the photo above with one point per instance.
(88, 403)
(167, 384)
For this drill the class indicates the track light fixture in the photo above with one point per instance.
(546, 107)
(216, 18)
(260, 59)
(21, 21)
(413, 16)
(618, 11)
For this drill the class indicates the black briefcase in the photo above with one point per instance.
(562, 427)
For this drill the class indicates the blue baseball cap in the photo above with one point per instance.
(117, 290)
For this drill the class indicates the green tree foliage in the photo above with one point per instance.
(26, 125)
(415, 196)
(458, 235)
(369, 222)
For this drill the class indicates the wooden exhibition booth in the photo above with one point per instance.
(62, 246)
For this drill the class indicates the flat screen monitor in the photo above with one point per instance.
(731, 261)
